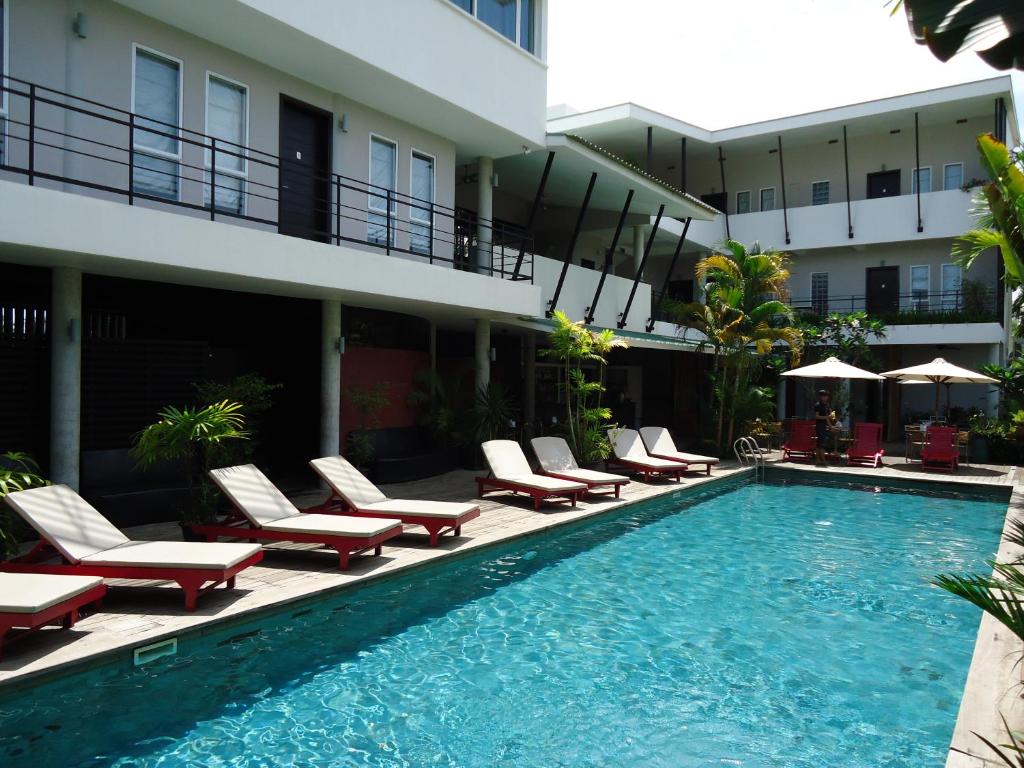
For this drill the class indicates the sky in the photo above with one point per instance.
(730, 62)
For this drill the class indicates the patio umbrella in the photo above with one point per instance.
(938, 371)
(833, 368)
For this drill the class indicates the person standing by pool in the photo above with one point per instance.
(824, 417)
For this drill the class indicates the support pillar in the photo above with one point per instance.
(484, 214)
(483, 354)
(65, 375)
(638, 249)
(995, 357)
(433, 359)
(780, 404)
(529, 383)
(330, 378)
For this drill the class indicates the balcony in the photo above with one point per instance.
(578, 290)
(979, 305)
(59, 141)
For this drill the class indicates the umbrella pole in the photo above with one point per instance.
(937, 388)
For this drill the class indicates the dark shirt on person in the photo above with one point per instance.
(822, 411)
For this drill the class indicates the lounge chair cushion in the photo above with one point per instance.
(174, 554)
(333, 525)
(628, 447)
(347, 481)
(444, 509)
(545, 483)
(660, 443)
(253, 494)
(554, 454)
(686, 458)
(66, 520)
(35, 592)
(506, 459)
(591, 476)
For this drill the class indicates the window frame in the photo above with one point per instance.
(149, 151)
(383, 210)
(737, 201)
(947, 165)
(5, 60)
(944, 300)
(829, 188)
(914, 179)
(925, 302)
(243, 175)
(429, 221)
(760, 200)
(827, 290)
(474, 7)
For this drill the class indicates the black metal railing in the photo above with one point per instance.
(63, 141)
(979, 304)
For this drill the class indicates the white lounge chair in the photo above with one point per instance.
(30, 601)
(90, 546)
(351, 492)
(556, 460)
(660, 444)
(263, 512)
(510, 471)
(628, 451)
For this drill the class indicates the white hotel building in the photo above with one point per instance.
(325, 195)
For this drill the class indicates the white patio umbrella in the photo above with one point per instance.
(833, 368)
(938, 371)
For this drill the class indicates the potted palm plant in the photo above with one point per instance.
(18, 472)
(190, 435)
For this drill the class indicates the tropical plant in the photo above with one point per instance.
(256, 395)
(1010, 381)
(846, 336)
(441, 402)
(368, 402)
(493, 413)
(587, 421)
(948, 27)
(18, 472)
(191, 435)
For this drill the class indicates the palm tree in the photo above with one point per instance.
(948, 27)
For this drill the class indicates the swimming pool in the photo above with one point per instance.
(760, 625)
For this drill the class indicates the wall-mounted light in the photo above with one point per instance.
(894, 131)
(961, 121)
(494, 354)
(833, 141)
(80, 25)
(494, 180)
(339, 344)
(343, 123)
(74, 330)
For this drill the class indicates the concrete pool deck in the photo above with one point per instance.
(132, 618)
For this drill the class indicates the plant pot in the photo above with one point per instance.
(979, 449)
(189, 534)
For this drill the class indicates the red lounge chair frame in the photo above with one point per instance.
(191, 580)
(65, 612)
(802, 442)
(539, 495)
(436, 526)
(649, 472)
(237, 526)
(685, 463)
(866, 447)
(616, 485)
(941, 456)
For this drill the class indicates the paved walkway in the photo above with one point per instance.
(137, 617)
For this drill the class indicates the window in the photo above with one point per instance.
(512, 19)
(919, 280)
(924, 175)
(156, 99)
(421, 214)
(952, 276)
(743, 201)
(383, 180)
(768, 199)
(819, 293)
(953, 176)
(4, 66)
(819, 193)
(227, 120)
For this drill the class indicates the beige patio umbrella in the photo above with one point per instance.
(832, 368)
(938, 371)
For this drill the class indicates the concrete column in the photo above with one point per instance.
(330, 378)
(483, 354)
(780, 403)
(432, 342)
(484, 213)
(529, 382)
(995, 357)
(638, 247)
(65, 375)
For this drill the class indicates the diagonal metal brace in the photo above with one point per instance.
(668, 275)
(640, 270)
(588, 313)
(572, 245)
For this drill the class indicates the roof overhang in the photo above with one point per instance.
(575, 161)
(632, 338)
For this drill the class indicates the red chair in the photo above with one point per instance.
(941, 449)
(867, 445)
(802, 442)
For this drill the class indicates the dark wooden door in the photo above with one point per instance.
(304, 196)
(883, 290)
(884, 184)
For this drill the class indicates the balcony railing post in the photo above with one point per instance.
(32, 134)
(131, 158)
(213, 179)
(337, 211)
(430, 234)
(387, 216)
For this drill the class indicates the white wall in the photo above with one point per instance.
(578, 292)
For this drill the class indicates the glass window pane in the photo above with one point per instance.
(768, 199)
(919, 286)
(527, 25)
(419, 207)
(819, 193)
(953, 176)
(3, 71)
(156, 97)
(383, 177)
(155, 176)
(951, 282)
(225, 121)
(819, 293)
(499, 15)
(230, 193)
(743, 202)
(466, 5)
(925, 175)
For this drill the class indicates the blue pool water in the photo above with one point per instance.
(777, 625)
